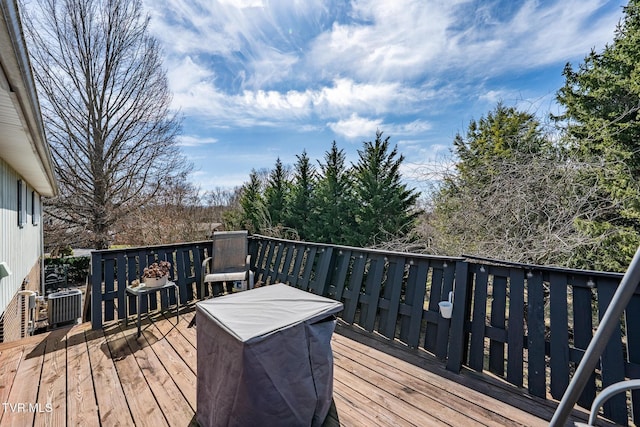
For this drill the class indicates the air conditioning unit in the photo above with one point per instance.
(64, 307)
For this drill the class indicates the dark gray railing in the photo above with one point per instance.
(112, 270)
(395, 294)
(527, 324)
(535, 325)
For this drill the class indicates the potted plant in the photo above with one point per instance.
(156, 275)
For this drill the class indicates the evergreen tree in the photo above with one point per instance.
(301, 197)
(276, 194)
(514, 195)
(384, 207)
(504, 133)
(602, 104)
(332, 216)
(252, 204)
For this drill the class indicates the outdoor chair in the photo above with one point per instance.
(229, 262)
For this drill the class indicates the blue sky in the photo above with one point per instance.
(258, 79)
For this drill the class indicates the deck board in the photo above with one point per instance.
(112, 402)
(141, 401)
(112, 377)
(161, 384)
(53, 384)
(25, 387)
(82, 408)
(436, 391)
(11, 359)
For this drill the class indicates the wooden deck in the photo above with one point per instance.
(76, 376)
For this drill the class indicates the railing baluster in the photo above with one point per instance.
(515, 333)
(478, 322)
(109, 278)
(498, 310)
(342, 268)
(583, 332)
(417, 303)
(392, 291)
(353, 295)
(275, 273)
(536, 342)
(435, 296)
(633, 348)
(372, 290)
(612, 359)
(559, 341)
(121, 265)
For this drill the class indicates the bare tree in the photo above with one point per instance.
(530, 209)
(105, 102)
(174, 214)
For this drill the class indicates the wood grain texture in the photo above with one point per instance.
(110, 377)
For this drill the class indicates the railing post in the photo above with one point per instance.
(322, 277)
(456, 333)
(96, 291)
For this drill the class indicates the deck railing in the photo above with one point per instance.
(114, 269)
(527, 324)
(395, 294)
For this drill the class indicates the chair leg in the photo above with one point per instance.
(193, 322)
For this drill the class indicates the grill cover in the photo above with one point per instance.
(264, 358)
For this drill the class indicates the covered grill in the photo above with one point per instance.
(264, 358)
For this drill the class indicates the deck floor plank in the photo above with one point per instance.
(140, 399)
(82, 408)
(53, 384)
(170, 399)
(11, 358)
(115, 378)
(25, 388)
(112, 403)
(181, 373)
(356, 405)
(478, 407)
(379, 393)
(404, 399)
(179, 342)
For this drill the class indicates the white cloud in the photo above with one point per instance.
(355, 126)
(411, 128)
(302, 64)
(186, 74)
(195, 141)
(406, 39)
(272, 107)
(241, 4)
(493, 96)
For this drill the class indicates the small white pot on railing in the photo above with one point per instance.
(446, 307)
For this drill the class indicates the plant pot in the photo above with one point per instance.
(155, 282)
(446, 309)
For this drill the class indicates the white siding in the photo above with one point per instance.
(20, 248)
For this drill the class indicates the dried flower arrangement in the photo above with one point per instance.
(157, 270)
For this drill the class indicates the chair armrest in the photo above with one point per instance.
(609, 392)
(205, 263)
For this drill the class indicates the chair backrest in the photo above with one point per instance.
(230, 249)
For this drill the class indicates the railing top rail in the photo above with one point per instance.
(565, 270)
(147, 248)
(368, 250)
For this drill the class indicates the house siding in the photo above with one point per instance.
(20, 248)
